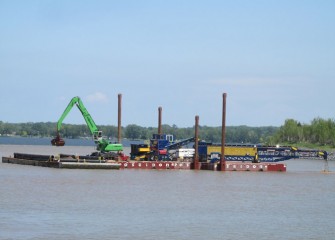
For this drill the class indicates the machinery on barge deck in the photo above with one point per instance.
(162, 148)
(257, 153)
(104, 148)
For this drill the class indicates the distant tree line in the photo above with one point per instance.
(240, 134)
(320, 131)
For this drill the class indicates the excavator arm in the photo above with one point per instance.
(88, 119)
(103, 145)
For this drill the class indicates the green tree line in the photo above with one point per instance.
(240, 134)
(319, 131)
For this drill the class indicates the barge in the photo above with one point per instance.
(82, 163)
(54, 162)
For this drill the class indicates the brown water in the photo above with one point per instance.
(47, 203)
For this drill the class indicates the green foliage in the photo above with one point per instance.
(320, 132)
(240, 134)
(133, 131)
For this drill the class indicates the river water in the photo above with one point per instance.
(47, 203)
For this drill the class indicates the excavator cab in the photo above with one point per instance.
(97, 136)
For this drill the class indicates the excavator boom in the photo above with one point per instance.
(103, 145)
(88, 119)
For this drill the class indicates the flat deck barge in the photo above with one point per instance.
(81, 163)
(49, 161)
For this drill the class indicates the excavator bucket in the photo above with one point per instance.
(57, 141)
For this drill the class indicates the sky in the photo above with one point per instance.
(274, 59)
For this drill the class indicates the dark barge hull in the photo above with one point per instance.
(60, 164)
(47, 161)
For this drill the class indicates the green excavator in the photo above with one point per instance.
(103, 145)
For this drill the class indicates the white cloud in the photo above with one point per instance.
(97, 97)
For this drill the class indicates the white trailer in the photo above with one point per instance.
(184, 153)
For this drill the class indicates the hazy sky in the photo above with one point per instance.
(274, 59)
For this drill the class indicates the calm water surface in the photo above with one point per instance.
(46, 203)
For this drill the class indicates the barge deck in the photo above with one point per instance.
(50, 161)
(62, 164)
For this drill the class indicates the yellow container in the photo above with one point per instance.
(233, 150)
